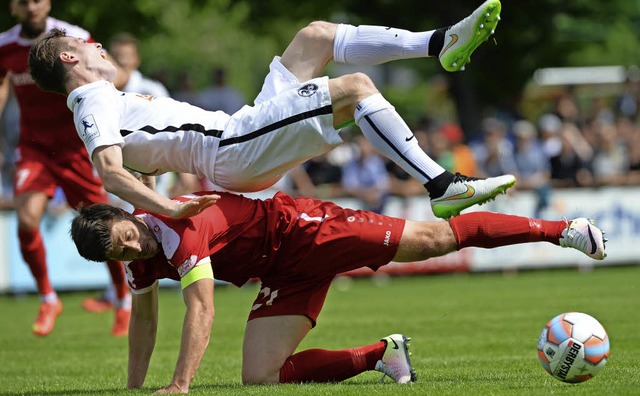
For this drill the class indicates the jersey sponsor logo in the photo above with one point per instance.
(307, 90)
(88, 129)
(387, 238)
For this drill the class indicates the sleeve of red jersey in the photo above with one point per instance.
(193, 249)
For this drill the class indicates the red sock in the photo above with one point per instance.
(33, 253)
(116, 269)
(489, 230)
(319, 365)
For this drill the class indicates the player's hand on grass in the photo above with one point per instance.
(172, 389)
(194, 207)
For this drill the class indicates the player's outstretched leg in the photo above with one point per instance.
(583, 235)
(465, 36)
(463, 192)
(395, 362)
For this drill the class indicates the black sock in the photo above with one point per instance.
(438, 185)
(436, 42)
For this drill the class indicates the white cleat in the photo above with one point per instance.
(582, 234)
(395, 362)
(465, 36)
(465, 191)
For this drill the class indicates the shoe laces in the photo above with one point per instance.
(460, 178)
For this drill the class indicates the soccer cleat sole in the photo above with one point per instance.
(483, 29)
(446, 212)
(405, 345)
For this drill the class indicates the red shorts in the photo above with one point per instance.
(317, 250)
(74, 173)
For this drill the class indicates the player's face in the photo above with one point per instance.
(91, 57)
(32, 15)
(131, 240)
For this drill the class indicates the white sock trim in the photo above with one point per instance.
(370, 105)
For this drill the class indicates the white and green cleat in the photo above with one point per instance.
(465, 191)
(465, 36)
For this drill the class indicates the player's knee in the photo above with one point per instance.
(317, 34)
(258, 376)
(28, 220)
(361, 86)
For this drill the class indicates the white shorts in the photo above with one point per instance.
(290, 123)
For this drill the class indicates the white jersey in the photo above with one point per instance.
(157, 135)
(248, 151)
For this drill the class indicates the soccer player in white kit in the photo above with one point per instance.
(295, 117)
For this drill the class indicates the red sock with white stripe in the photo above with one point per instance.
(320, 365)
(489, 230)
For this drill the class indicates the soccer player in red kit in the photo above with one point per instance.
(295, 247)
(49, 155)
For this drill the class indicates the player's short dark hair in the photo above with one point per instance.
(91, 229)
(47, 70)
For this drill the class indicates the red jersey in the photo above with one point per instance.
(240, 236)
(46, 124)
(279, 240)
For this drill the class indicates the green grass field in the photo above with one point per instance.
(472, 335)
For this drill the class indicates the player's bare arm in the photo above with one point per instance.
(149, 181)
(195, 334)
(108, 163)
(142, 335)
(4, 93)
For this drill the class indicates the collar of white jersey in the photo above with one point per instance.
(73, 95)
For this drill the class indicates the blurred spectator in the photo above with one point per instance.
(439, 148)
(318, 178)
(185, 91)
(494, 154)
(567, 106)
(219, 95)
(633, 144)
(532, 164)
(365, 176)
(610, 161)
(571, 167)
(549, 126)
(627, 105)
(124, 50)
(464, 160)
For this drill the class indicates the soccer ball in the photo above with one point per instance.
(573, 347)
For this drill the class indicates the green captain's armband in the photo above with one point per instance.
(203, 271)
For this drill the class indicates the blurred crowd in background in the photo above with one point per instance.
(569, 145)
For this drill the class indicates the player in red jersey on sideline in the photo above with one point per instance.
(49, 155)
(295, 247)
